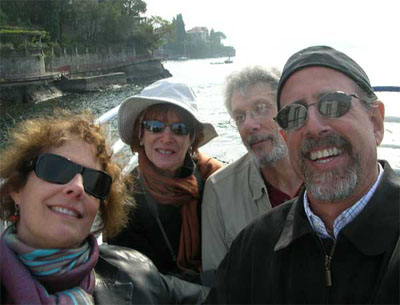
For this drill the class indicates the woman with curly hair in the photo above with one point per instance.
(57, 175)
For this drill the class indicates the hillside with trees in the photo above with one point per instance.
(59, 26)
(81, 24)
(197, 42)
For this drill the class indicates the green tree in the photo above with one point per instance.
(86, 16)
(133, 7)
(150, 33)
(3, 18)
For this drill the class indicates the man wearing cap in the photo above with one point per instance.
(261, 179)
(339, 241)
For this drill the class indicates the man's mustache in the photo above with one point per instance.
(250, 140)
(329, 140)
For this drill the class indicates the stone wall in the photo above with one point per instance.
(92, 83)
(92, 63)
(21, 66)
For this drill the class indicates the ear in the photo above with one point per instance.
(16, 196)
(283, 133)
(377, 119)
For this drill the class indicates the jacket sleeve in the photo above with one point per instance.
(125, 276)
(183, 292)
(214, 246)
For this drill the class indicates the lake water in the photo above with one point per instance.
(207, 80)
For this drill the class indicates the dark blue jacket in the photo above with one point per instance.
(279, 259)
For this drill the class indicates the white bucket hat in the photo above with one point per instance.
(165, 91)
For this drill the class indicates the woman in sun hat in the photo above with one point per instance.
(162, 125)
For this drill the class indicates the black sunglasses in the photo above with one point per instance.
(57, 169)
(180, 129)
(330, 105)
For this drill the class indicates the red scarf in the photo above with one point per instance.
(182, 192)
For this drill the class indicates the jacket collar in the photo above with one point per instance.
(379, 221)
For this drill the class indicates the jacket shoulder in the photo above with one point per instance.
(267, 226)
(232, 169)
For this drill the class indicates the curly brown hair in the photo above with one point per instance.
(30, 138)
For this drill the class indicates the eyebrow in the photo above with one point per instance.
(257, 102)
(317, 96)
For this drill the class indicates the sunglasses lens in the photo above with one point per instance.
(292, 117)
(55, 169)
(154, 126)
(59, 170)
(180, 129)
(157, 126)
(97, 183)
(334, 105)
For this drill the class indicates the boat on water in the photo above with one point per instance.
(228, 60)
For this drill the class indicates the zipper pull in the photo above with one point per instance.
(328, 278)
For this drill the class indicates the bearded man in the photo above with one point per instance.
(258, 181)
(338, 242)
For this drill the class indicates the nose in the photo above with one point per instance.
(316, 124)
(167, 134)
(250, 123)
(75, 187)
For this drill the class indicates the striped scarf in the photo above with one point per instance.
(52, 267)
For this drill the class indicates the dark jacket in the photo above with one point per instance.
(279, 259)
(125, 276)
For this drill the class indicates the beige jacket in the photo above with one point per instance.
(233, 196)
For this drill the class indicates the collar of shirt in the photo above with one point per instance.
(345, 217)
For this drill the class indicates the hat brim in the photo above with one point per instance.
(132, 107)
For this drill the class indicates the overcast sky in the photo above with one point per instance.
(367, 30)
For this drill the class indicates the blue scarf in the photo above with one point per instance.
(59, 276)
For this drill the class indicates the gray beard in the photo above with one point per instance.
(279, 150)
(337, 184)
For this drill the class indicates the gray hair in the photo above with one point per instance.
(247, 77)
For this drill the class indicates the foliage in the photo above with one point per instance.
(3, 18)
(87, 22)
(6, 48)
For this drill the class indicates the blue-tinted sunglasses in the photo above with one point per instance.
(180, 129)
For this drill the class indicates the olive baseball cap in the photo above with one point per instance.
(324, 56)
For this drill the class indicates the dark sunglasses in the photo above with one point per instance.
(56, 169)
(330, 105)
(180, 129)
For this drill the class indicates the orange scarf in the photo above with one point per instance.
(181, 192)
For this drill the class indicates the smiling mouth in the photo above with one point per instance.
(65, 211)
(166, 152)
(325, 155)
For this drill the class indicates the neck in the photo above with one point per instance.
(282, 176)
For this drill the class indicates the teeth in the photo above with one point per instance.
(64, 211)
(165, 152)
(327, 152)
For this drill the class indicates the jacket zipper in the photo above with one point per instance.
(328, 260)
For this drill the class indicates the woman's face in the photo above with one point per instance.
(58, 215)
(166, 150)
